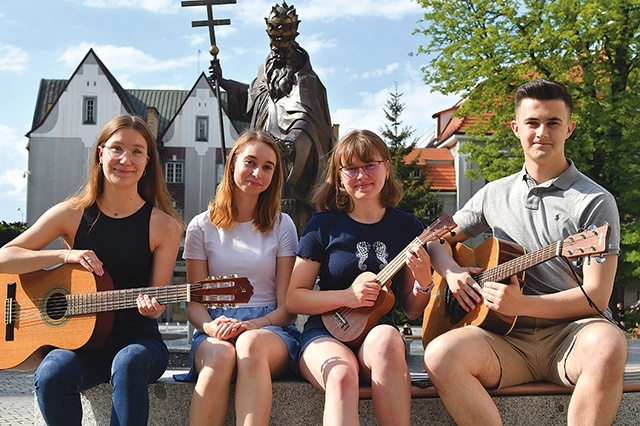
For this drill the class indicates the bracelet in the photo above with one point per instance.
(268, 319)
(423, 290)
(67, 258)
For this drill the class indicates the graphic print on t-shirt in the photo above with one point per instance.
(362, 253)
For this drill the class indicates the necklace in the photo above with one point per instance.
(124, 212)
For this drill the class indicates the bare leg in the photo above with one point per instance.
(261, 355)
(215, 363)
(383, 359)
(330, 365)
(596, 365)
(461, 364)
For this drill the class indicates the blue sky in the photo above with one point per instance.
(359, 48)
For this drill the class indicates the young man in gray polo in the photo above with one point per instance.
(558, 336)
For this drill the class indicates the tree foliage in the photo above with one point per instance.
(417, 198)
(8, 231)
(484, 50)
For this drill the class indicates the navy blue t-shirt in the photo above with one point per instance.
(346, 248)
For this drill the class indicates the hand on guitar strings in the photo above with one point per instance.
(87, 259)
(362, 293)
(464, 288)
(503, 298)
(419, 262)
(149, 306)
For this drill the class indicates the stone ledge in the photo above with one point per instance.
(297, 402)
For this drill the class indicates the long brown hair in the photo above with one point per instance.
(222, 207)
(151, 186)
(367, 146)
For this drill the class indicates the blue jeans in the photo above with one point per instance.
(63, 374)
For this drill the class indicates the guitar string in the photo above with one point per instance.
(87, 303)
(429, 234)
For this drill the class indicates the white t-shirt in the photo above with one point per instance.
(243, 251)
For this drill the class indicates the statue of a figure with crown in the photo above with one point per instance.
(288, 100)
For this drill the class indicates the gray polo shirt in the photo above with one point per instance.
(518, 210)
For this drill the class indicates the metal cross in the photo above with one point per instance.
(211, 23)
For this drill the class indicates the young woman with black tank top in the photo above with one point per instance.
(121, 222)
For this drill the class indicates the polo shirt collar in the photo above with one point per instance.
(564, 181)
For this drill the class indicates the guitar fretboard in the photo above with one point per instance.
(519, 264)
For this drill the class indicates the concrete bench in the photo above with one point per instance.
(297, 403)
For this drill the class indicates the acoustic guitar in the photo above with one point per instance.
(500, 260)
(70, 308)
(351, 325)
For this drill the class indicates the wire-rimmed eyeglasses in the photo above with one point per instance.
(371, 168)
(136, 155)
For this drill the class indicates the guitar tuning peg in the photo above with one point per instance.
(578, 262)
(601, 259)
(591, 227)
(441, 240)
(453, 233)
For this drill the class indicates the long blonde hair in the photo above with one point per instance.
(222, 207)
(151, 186)
(367, 146)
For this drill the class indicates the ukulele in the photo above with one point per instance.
(500, 260)
(70, 308)
(351, 325)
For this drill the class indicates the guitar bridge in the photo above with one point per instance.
(9, 311)
(341, 321)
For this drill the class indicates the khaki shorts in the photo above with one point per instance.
(536, 350)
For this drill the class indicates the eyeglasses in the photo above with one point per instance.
(136, 155)
(370, 169)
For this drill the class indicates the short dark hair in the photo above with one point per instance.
(544, 90)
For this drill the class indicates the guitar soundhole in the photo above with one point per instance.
(56, 306)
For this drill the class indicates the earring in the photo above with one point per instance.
(144, 172)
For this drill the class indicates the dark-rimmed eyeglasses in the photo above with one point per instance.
(371, 168)
(136, 155)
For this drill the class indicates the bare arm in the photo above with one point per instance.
(164, 241)
(24, 253)
(598, 284)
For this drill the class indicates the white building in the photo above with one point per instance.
(69, 114)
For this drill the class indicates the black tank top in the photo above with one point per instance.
(123, 247)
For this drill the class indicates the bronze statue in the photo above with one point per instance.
(288, 100)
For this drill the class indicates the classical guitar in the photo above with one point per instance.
(351, 325)
(70, 308)
(500, 260)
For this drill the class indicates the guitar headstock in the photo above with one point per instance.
(438, 229)
(222, 290)
(586, 243)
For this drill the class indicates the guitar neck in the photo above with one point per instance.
(392, 268)
(519, 264)
(114, 300)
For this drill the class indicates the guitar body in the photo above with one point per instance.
(351, 325)
(444, 313)
(37, 319)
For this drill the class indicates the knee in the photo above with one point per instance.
(342, 379)
(438, 355)
(217, 356)
(57, 371)
(602, 345)
(386, 344)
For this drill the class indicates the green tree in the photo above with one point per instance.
(8, 231)
(418, 198)
(484, 50)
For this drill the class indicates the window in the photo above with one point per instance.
(89, 110)
(173, 172)
(202, 129)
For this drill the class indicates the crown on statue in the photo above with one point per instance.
(282, 25)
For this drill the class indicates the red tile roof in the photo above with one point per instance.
(436, 165)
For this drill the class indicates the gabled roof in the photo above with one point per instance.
(437, 167)
(51, 90)
(166, 102)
